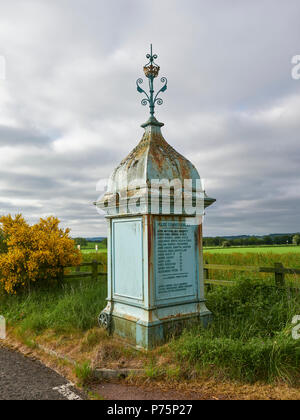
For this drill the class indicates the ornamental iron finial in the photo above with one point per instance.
(151, 70)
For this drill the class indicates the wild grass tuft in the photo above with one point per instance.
(74, 305)
(250, 337)
(84, 373)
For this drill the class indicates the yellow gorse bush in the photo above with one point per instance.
(34, 253)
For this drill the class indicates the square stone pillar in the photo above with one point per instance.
(155, 277)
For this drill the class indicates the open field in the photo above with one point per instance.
(246, 258)
(276, 249)
(257, 250)
(288, 259)
(91, 248)
(219, 250)
(92, 251)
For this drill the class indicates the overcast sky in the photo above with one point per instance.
(70, 112)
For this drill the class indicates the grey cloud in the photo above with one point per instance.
(13, 136)
(70, 111)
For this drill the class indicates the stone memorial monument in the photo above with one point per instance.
(154, 205)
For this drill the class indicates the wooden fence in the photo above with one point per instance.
(96, 270)
(278, 270)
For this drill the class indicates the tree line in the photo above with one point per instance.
(84, 243)
(292, 239)
(226, 242)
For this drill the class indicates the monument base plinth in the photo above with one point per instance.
(148, 335)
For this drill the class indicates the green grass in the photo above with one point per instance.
(284, 249)
(90, 248)
(84, 373)
(74, 305)
(261, 259)
(92, 251)
(250, 337)
(92, 255)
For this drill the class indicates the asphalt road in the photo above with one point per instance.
(22, 378)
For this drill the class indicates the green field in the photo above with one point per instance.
(276, 249)
(257, 250)
(90, 248)
(258, 257)
(92, 251)
(231, 250)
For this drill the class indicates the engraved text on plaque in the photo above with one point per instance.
(175, 260)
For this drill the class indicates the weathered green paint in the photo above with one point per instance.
(149, 337)
(155, 261)
(151, 70)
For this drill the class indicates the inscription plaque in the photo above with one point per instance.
(175, 267)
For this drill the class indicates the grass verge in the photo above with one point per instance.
(71, 306)
(249, 339)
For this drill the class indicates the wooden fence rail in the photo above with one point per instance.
(94, 273)
(278, 270)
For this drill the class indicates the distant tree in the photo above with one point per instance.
(209, 242)
(104, 243)
(218, 241)
(282, 239)
(286, 239)
(226, 244)
(248, 240)
(296, 239)
(267, 240)
(254, 240)
(277, 240)
(81, 241)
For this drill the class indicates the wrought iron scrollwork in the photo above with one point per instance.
(151, 70)
(104, 320)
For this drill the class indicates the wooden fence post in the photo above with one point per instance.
(279, 275)
(94, 270)
(206, 276)
(61, 274)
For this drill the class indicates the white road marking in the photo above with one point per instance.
(66, 392)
